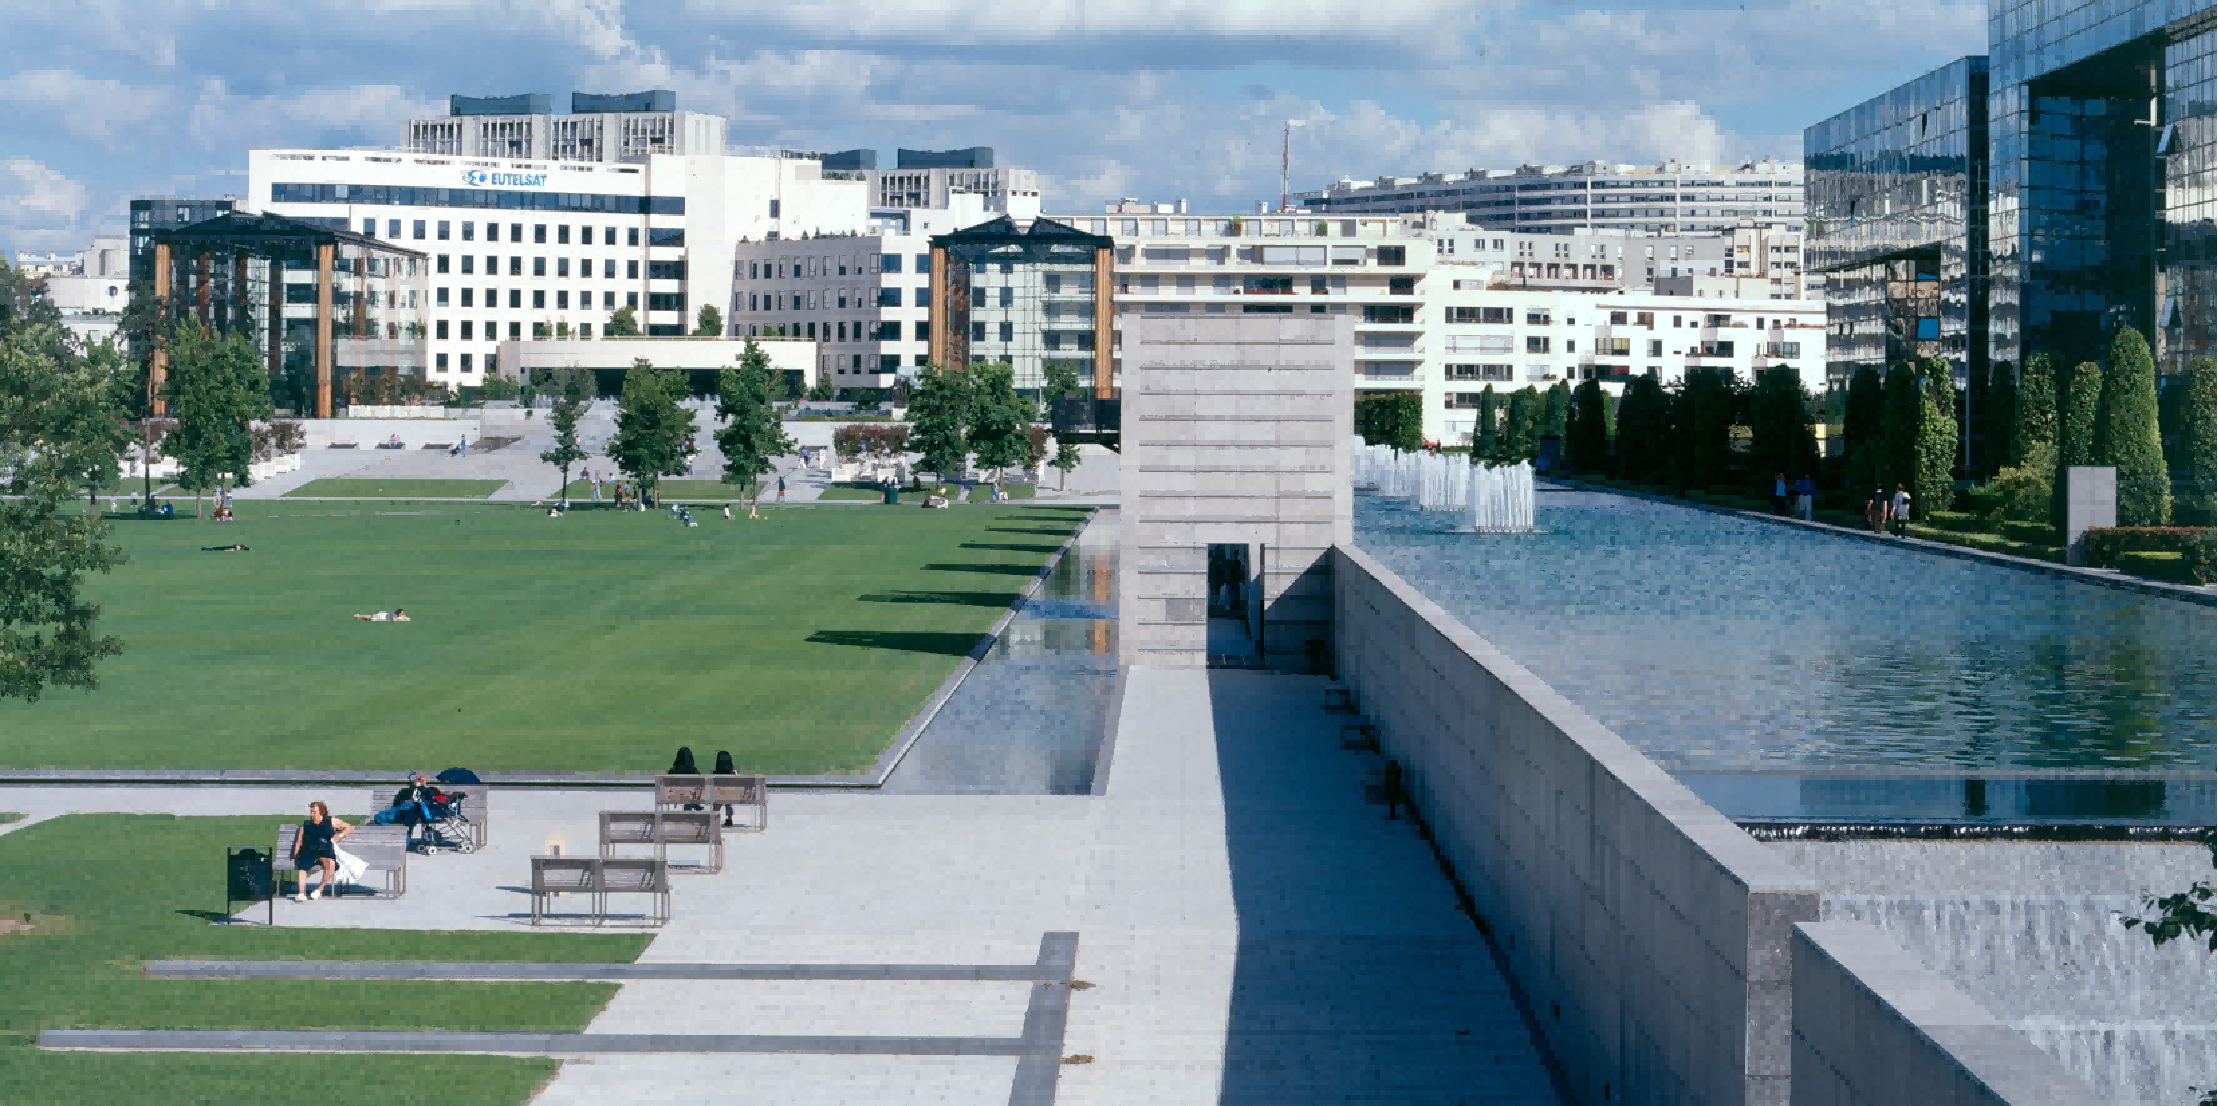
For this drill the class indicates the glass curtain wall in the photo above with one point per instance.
(1027, 298)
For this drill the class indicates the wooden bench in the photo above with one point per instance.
(599, 877)
(473, 806)
(716, 791)
(383, 848)
(662, 829)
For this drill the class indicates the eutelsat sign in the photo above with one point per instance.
(479, 178)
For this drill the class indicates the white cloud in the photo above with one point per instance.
(101, 110)
(40, 207)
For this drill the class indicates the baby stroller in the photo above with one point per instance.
(444, 825)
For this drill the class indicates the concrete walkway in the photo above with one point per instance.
(1252, 931)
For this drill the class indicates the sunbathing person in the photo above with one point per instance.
(232, 548)
(397, 614)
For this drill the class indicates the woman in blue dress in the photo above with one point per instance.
(317, 847)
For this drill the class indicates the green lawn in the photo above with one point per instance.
(673, 491)
(849, 490)
(404, 489)
(984, 493)
(98, 924)
(598, 641)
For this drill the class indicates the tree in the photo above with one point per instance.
(1395, 420)
(1586, 440)
(218, 388)
(2197, 467)
(2036, 427)
(709, 323)
(1555, 413)
(2079, 401)
(55, 413)
(752, 438)
(939, 419)
(624, 323)
(1780, 438)
(1484, 430)
(1931, 487)
(1998, 420)
(821, 390)
(2126, 434)
(1519, 437)
(1702, 428)
(998, 418)
(1644, 431)
(571, 396)
(1898, 429)
(652, 428)
(1864, 429)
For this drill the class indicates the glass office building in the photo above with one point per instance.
(1898, 201)
(1033, 297)
(2101, 115)
(327, 307)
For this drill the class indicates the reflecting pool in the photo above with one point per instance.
(1717, 643)
(1029, 719)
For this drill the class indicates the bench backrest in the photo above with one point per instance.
(635, 874)
(709, 790)
(591, 874)
(735, 790)
(382, 848)
(697, 827)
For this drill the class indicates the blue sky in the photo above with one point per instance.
(1163, 99)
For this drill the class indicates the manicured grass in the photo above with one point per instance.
(672, 491)
(848, 490)
(598, 641)
(7, 816)
(101, 916)
(983, 493)
(388, 489)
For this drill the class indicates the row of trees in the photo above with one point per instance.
(975, 414)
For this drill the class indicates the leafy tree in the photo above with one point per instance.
(1586, 440)
(752, 438)
(2126, 432)
(2079, 402)
(1998, 420)
(218, 388)
(2197, 467)
(939, 419)
(1702, 428)
(709, 323)
(624, 323)
(1519, 438)
(2186, 914)
(1484, 430)
(1395, 420)
(822, 390)
(1931, 487)
(1066, 458)
(571, 395)
(1898, 435)
(57, 416)
(1780, 437)
(652, 428)
(998, 418)
(2036, 426)
(24, 307)
(1555, 413)
(1864, 429)
(1644, 431)
(1062, 382)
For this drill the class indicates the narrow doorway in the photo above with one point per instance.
(1234, 604)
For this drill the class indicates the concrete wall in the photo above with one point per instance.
(1874, 1027)
(1650, 933)
(366, 433)
(1236, 431)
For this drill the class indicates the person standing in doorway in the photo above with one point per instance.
(1898, 511)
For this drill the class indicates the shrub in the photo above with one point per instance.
(2197, 546)
(2197, 467)
(2079, 399)
(2126, 433)
(2021, 493)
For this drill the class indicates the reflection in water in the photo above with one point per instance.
(1714, 642)
(1028, 719)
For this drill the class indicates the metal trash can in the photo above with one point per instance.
(893, 494)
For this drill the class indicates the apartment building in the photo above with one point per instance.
(626, 128)
(1765, 261)
(522, 247)
(1672, 198)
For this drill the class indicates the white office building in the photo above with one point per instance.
(1752, 261)
(1671, 198)
(90, 287)
(552, 244)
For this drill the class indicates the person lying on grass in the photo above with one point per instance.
(397, 614)
(232, 548)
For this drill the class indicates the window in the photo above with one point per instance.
(608, 268)
(978, 331)
(1389, 315)
(889, 263)
(562, 235)
(515, 331)
(1008, 296)
(608, 301)
(469, 264)
(1929, 328)
(1008, 332)
(466, 358)
(466, 293)
(439, 328)
(924, 263)
(442, 230)
(773, 208)
(1401, 286)
(1537, 316)
(369, 227)
(1393, 255)
(1570, 345)
(539, 298)
(392, 228)
(562, 266)
(665, 301)
(1716, 349)
(515, 298)
(631, 300)
(515, 265)
(1615, 347)
(441, 263)
(889, 297)
(1646, 318)
(465, 327)
(1498, 315)
(631, 236)
(666, 236)
(439, 361)
(631, 269)
(1617, 318)
(923, 331)
(562, 301)
(441, 295)
(539, 266)
(1717, 320)
(539, 330)
(539, 233)
(666, 270)
(608, 236)
(419, 230)
(889, 362)
(1347, 255)
(1536, 343)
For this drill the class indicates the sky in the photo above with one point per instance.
(101, 100)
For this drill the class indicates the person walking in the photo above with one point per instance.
(317, 847)
(1875, 512)
(781, 487)
(1805, 498)
(1898, 510)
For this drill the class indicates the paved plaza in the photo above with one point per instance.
(1251, 929)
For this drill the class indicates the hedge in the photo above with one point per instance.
(2198, 547)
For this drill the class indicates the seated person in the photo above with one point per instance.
(397, 614)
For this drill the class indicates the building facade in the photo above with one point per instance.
(2105, 166)
(1673, 197)
(156, 213)
(1765, 261)
(90, 287)
(626, 128)
(1035, 297)
(1898, 189)
(522, 248)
